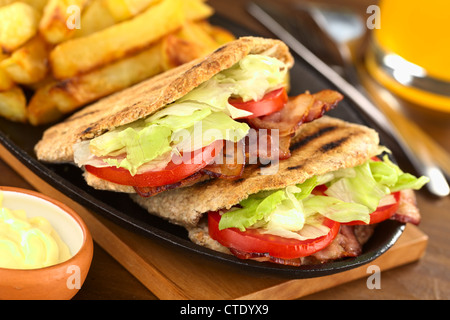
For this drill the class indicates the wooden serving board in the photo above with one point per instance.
(170, 273)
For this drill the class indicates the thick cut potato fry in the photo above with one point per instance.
(197, 10)
(13, 105)
(177, 51)
(18, 24)
(28, 64)
(41, 108)
(60, 19)
(125, 9)
(101, 14)
(219, 34)
(6, 83)
(81, 55)
(72, 93)
(195, 32)
(95, 17)
(37, 4)
(194, 40)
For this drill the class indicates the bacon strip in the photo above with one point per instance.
(301, 109)
(407, 211)
(230, 163)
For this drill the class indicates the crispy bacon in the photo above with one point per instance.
(265, 146)
(324, 101)
(229, 164)
(407, 211)
(303, 108)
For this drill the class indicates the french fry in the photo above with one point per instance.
(6, 83)
(73, 93)
(195, 32)
(42, 109)
(81, 55)
(194, 40)
(13, 105)
(28, 64)
(5, 2)
(177, 51)
(101, 14)
(95, 17)
(18, 24)
(125, 9)
(59, 20)
(196, 10)
(219, 34)
(37, 4)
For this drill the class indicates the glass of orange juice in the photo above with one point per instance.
(410, 51)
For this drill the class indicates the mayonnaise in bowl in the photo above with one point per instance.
(28, 242)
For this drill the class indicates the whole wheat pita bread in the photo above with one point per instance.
(147, 97)
(324, 145)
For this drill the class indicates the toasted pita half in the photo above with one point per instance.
(147, 97)
(324, 145)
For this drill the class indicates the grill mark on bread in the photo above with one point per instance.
(312, 137)
(333, 144)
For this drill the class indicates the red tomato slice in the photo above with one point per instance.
(170, 174)
(253, 241)
(270, 103)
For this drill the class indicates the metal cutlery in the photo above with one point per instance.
(282, 27)
(347, 32)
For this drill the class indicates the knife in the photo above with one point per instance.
(438, 185)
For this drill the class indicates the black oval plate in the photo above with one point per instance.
(19, 140)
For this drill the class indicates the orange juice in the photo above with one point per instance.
(416, 33)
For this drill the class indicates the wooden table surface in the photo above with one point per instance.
(428, 278)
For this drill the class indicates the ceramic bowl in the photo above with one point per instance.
(58, 282)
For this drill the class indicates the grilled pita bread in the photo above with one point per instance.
(149, 96)
(324, 145)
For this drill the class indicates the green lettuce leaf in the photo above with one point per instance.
(141, 146)
(361, 188)
(216, 126)
(336, 210)
(253, 209)
(403, 180)
(351, 195)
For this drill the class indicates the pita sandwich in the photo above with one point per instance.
(321, 204)
(131, 140)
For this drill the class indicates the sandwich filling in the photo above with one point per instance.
(185, 141)
(298, 221)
